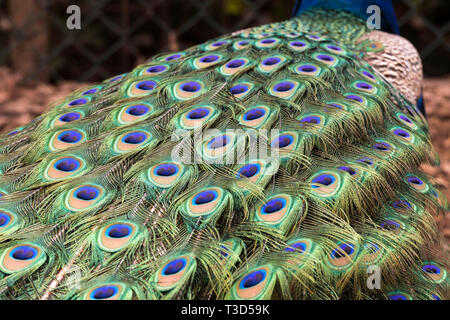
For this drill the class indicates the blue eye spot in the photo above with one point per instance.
(323, 179)
(283, 86)
(415, 180)
(137, 110)
(368, 74)
(271, 61)
(156, 69)
(364, 85)
(310, 119)
(69, 117)
(335, 105)
(405, 118)
(282, 141)
(204, 197)
(135, 138)
(324, 57)
(78, 102)
(24, 253)
(174, 267)
(401, 133)
(91, 91)
(253, 279)
(191, 87)
(296, 247)
(87, 193)
(218, 142)
(431, 268)
(273, 206)
(209, 59)
(334, 48)
(70, 136)
(402, 204)
(147, 85)
(116, 78)
(382, 146)
(198, 113)
(348, 169)
(173, 57)
(398, 297)
(166, 170)
(104, 292)
(268, 41)
(298, 44)
(254, 114)
(235, 64)
(307, 68)
(354, 98)
(372, 247)
(118, 231)
(224, 252)
(219, 44)
(238, 89)
(249, 170)
(4, 219)
(343, 247)
(67, 165)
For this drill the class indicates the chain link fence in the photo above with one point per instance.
(116, 35)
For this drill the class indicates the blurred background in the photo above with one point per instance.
(116, 35)
(41, 60)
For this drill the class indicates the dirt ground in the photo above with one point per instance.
(20, 105)
(437, 96)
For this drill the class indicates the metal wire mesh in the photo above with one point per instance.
(116, 35)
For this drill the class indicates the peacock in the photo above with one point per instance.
(276, 162)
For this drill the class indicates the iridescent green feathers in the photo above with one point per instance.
(270, 163)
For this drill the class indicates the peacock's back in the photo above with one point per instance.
(274, 162)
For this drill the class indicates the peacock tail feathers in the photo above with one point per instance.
(271, 163)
